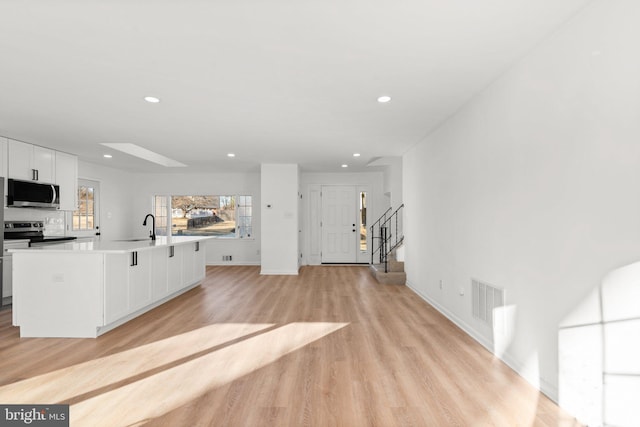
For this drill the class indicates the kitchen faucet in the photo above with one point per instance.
(152, 232)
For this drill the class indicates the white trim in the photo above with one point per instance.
(279, 272)
(231, 263)
(548, 389)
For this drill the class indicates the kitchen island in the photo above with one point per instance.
(84, 289)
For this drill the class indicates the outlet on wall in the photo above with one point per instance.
(441, 284)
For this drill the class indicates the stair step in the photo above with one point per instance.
(389, 278)
(395, 266)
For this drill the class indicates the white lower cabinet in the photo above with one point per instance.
(160, 273)
(193, 262)
(128, 284)
(138, 279)
(174, 269)
(116, 287)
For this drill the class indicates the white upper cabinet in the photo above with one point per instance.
(3, 157)
(3, 166)
(31, 163)
(67, 179)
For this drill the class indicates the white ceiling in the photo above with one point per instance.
(287, 81)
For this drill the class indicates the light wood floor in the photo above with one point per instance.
(330, 347)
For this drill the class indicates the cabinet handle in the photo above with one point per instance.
(171, 251)
(34, 174)
(134, 259)
(197, 246)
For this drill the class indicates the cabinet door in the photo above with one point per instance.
(44, 160)
(199, 264)
(19, 166)
(116, 290)
(3, 166)
(193, 263)
(67, 179)
(188, 259)
(159, 273)
(139, 279)
(174, 267)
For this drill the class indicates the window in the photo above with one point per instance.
(84, 220)
(160, 212)
(363, 221)
(223, 216)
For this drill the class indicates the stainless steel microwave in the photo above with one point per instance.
(29, 194)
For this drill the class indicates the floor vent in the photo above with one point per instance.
(226, 257)
(485, 298)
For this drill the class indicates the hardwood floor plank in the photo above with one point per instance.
(329, 347)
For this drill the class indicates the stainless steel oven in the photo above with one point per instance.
(33, 231)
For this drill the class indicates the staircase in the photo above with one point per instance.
(386, 238)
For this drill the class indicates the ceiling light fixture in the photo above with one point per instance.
(345, 166)
(143, 153)
(152, 99)
(230, 155)
(107, 156)
(356, 154)
(384, 99)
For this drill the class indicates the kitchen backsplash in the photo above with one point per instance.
(54, 221)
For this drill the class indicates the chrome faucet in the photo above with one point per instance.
(152, 232)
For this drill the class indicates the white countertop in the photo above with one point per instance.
(114, 246)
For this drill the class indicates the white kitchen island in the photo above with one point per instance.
(84, 289)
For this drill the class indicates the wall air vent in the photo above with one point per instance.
(485, 298)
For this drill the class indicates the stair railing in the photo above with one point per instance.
(389, 236)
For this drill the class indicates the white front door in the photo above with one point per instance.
(339, 224)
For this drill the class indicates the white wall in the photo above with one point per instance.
(279, 211)
(393, 181)
(243, 251)
(533, 187)
(117, 198)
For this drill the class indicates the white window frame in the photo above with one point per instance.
(237, 197)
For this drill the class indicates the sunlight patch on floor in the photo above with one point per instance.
(76, 380)
(156, 395)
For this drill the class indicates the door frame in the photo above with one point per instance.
(313, 233)
(96, 213)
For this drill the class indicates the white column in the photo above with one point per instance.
(279, 217)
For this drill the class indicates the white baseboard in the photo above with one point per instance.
(548, 389)
(223, 263)
(279, 272)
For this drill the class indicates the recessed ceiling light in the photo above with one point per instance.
(230, 155)
(384, 99)
(152, 99)
(356, 154)
(107, 156)
(345, 166)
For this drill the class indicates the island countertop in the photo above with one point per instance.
(114, 246)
